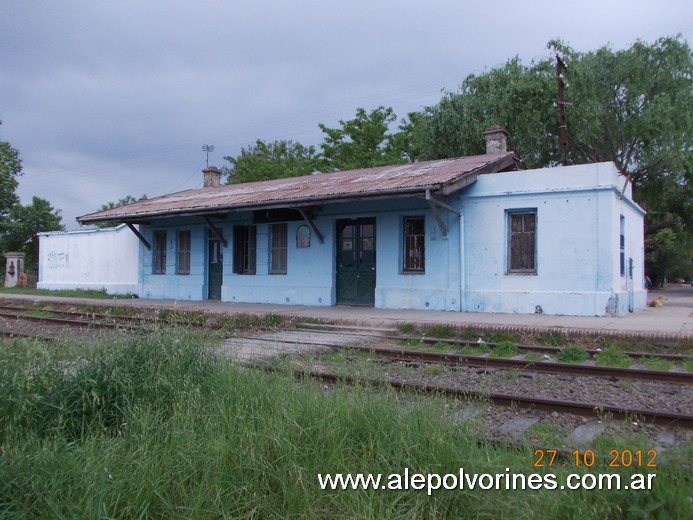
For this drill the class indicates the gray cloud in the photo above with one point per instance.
(116, 97)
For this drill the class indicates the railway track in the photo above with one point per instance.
(530, 366)
(92, 320)
(89, 319)
(457, 360)
(662, 418)
(83, 322)
(658, 417)
(561, 406)
(542, 349)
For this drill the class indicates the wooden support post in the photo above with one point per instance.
(215, 230)
(432, 200)
(139, 235)
(312, 225)
(434, 203)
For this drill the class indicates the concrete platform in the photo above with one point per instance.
(672, 322)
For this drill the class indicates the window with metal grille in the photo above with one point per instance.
(622, 245)
(244, 250)
(183, 263)
(414, 245)
(159, 265)
(278, 256)
(522, 244)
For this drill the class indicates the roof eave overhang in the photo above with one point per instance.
(503, 163)
(419, 191)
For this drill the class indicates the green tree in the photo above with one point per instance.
(363, 142)
(24, 224)
(516, 97)
(635, 107)
(128, 199)
(265, 161)
(10, 169)
(632, 106)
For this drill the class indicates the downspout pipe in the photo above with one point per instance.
(462, 263)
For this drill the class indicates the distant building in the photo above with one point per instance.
(475, 234)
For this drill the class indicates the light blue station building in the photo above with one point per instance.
(471, 234)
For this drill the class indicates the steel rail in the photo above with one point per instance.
(530, 366)
(62, 321)
(663, 418)
(451, 359)
(132, 319)
(491, 345)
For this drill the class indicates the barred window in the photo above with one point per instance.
(414, 245)
(183, 264)
(522, 244)
(278, 256)
(622, 246)
(159, 266)
(244, 250)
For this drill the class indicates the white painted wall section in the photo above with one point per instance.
(91, 259)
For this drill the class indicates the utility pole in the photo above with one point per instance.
(563, 126)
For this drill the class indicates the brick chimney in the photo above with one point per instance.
(212, 176)
(496, 140)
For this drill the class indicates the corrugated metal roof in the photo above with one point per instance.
(383, 180)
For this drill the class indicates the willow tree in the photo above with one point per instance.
(632, 106)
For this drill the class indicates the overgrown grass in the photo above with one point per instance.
(406, 328)
(439, 331)
(250, 321)
(477, 350)
(505, 349)
(555, 339)
(656, 363)
(177, 316)
(573, 354)
(71, 293)
(613, 357)
(157, 427)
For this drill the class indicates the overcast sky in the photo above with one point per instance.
(114, 97)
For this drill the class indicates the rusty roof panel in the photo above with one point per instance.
(398, 179)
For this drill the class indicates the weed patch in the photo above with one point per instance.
(439, 331)
(469, 350)
(406, 328)
(613, 357)
(505, 349)
(553, 339)
(656, 363)
(573, 354)
(234, 322)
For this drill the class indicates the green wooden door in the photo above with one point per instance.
(356, 262)
(215, 269)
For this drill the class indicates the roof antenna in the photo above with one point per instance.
(208, 148)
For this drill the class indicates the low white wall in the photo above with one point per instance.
(91, 259)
